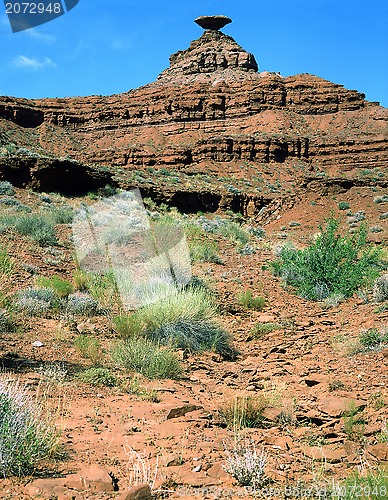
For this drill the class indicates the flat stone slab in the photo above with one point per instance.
(212, 22)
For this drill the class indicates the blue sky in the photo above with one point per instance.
(108, 47)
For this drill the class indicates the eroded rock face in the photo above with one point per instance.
(212, 22)
(210, 113)
(212, 52)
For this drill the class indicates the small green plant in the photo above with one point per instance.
(98, 376)
(6, 264)
(262, 329)
(26, 436)
(354, 423)
(333, 264)
(143, 393)
(343, 205)
(373, 338)
(61, 287)
(143, 356)
(336, 385)
(89, 347)
(205, 251)
(381, 199)
(246, 299)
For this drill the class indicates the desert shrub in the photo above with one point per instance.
(89, 347)
(257, 232)
(26, 437)
(10, 201)
(98, 376)
(35, 301)
(61, 287)
(147, 358)
(380, 288)
(6, 264)
(247, 249)
(333, 264)
(185, 319)
(381, 199)
(246, 299)
(373, 338)
(102, 287)
(6, 188)
(62, 214)
(343, 205)
(243, 411)
(376, 229)
(38, 227)
(82, 304)
(244, 463)
(226, 228)
(204, 251)
(383, 216)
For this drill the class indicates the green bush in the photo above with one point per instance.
(6, 188)
(343, 205)
(38, 227)
(5, 321)
(372, 338)
(186, 319)
(246, 299)
(6, 264)
(147, 358)
(82, 304)
(61, 287)
(26, 437)
(98, 376)
(333, 264)
(262, 329)
(204, 251)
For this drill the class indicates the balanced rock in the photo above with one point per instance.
(212, 22)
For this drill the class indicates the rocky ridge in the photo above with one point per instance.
(213, 122)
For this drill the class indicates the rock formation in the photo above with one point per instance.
(210, 132)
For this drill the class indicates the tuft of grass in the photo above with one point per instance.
(372, 485)
(98, 376)
(89, 347)
(246, 299)
(262, 329)
(143, 393)
(6, 324)
(61, 287)
(333, 264)
(143, 356)
(354, 424)
(38, 227)
(373, 338)
(205, 251)
(26, 436)
(183, 319)
(244, 411)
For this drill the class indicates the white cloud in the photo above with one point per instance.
(33, 63)
(41, 35)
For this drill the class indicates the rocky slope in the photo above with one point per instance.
(209, 118)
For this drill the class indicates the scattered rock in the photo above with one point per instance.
(336, 406)
(98, 479)
(182, 410)
(140, 492)
(379, 451)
